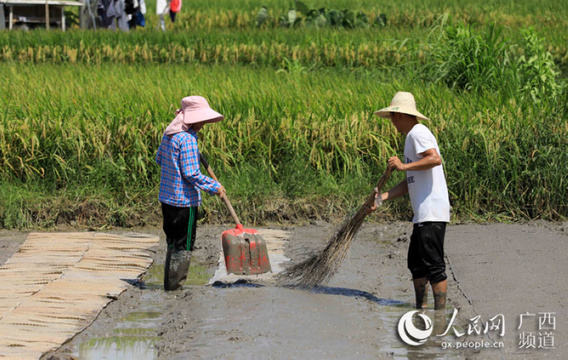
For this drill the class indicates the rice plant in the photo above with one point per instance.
(287, 139)
(82, 112)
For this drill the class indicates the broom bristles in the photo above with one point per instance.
(320, 268)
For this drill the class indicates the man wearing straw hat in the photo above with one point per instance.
(180, 185)
(426, 185)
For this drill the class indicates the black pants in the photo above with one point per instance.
(426, 251)
(173, 16)
(180, 225)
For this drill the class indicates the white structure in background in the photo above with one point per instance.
(30, 13)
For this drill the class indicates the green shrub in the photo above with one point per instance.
(536, 70)
(466, 59)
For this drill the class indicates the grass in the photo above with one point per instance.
(82, 113)
(290, 139)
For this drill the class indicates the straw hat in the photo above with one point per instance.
(402, 102)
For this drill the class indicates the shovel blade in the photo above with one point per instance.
(245, 252)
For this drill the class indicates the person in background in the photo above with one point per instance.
(181, 183)
(425, 183)
(112, 14)
(136, 9)
(140, 15)
(161, 8)
(175, 7)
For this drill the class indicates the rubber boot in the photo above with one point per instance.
(176, 268)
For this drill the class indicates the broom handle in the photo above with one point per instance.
(224, 196)
(382, 181)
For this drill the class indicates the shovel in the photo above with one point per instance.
(244, 250)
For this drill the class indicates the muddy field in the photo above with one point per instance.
(498, 275)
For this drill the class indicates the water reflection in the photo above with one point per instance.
(134, 336)
(119, 347)
(154, 278)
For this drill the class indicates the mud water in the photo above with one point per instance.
(355, 316)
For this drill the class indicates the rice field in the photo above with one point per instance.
(82, 112)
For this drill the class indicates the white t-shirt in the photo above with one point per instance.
(427, 188)
(161, 6)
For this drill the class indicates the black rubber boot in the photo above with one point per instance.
(176, 268)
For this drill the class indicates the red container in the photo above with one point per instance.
(245, 252)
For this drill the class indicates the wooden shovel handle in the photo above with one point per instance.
(224, 197)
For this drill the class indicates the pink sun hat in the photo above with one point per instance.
(194, 109)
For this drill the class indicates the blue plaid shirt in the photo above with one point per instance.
(181, 179)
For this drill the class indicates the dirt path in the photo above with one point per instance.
(495, 269)
(517, 271)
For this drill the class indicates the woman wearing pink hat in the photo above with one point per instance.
(181, 184)
(426, 185)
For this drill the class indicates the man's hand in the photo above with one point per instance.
(395, 163)
(378, 201)
(222, 192)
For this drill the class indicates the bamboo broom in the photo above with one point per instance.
(320, 268)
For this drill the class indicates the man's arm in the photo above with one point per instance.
(430, 159)
(398, 190)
